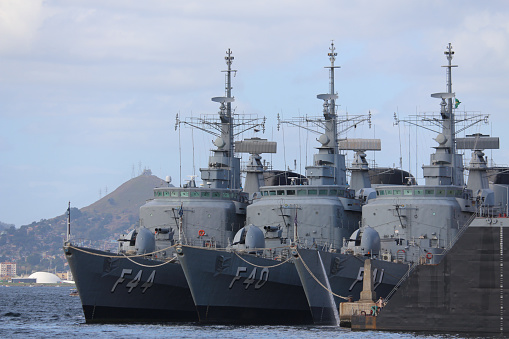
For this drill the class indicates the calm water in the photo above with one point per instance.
(50, 312)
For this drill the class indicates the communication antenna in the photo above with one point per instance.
(69, 222)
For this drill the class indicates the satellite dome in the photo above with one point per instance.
(370, 240)
(249, 236)
(145, 241)
(45, 278)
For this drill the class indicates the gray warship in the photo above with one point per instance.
(459, 288)
(416, 226)
(254, 281)
(144, 281)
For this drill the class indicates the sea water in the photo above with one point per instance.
(50, 312)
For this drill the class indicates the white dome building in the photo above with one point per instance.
(45, 278)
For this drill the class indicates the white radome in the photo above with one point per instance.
(45, 278)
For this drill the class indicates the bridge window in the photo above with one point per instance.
(216, 195)
(205, 194)
(322, 192)
(440, 193)
(195, 194)
(418, 192)
(184, 194)
(301, 192)
(280, 192)
(290, 192)
(333, 192)
(174, 193)
(429, 192)
(311, 192)
(407, 192)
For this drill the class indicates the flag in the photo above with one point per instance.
(456, 103)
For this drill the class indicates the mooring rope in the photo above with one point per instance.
(281, 263)
(149, 266)
(119, 256)
(318, 281)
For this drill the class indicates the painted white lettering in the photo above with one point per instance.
(121, 278)
(380, 278)
(262, 281)
(149, 282)
(251, 278)
(133, 283)
(237, 276)
(360, 276)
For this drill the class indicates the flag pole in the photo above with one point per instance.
(69, 222)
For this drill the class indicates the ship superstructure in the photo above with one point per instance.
(254, 281)
(416, 223)
(406, 225)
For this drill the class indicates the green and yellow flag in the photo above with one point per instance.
(456, 103)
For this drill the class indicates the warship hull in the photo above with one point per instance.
(465, 292)
(115, 289)
(330, 278)
(233, 288)
(242, 289)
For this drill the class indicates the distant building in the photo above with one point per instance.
(24, 280)
(7, 269)
(64, 275)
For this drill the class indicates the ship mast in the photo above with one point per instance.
(223, 169)
(226, 120)
(69, 222)
(329, 104)
(452, 133)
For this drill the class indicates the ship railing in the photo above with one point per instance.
(491, 211)
(103, 245)
(403, 278)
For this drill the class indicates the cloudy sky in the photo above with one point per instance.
(89, 89)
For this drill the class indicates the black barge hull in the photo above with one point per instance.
(465, 292)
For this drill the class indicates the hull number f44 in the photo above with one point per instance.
(134, 282)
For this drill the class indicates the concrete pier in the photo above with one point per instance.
(366, 302)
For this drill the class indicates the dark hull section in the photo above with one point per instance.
(119, 290)
(465, 292)
(343, 275)
(229, 290)
(251, 316)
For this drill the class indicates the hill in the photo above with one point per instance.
(117, 211)
(39, 245)
(5, 226)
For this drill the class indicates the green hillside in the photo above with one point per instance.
(39, 245)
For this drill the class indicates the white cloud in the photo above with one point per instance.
(96, 84)
(19, 22)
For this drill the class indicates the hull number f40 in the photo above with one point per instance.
(264, 276)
